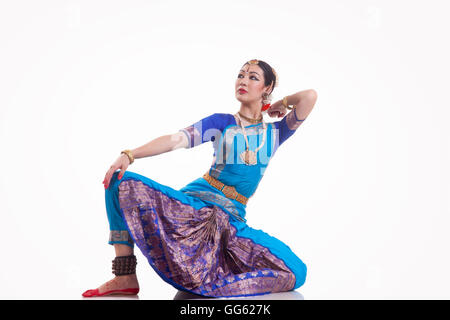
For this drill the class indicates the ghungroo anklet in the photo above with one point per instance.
(124, 265)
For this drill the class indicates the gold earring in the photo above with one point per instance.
(266, 98)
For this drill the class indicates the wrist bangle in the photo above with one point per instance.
(129, 155)
(285, 103)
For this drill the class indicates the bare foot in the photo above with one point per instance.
(118, 283)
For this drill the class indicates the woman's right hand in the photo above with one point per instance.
(277, 109)
(121, 163)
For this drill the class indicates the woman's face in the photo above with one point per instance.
(251, 79)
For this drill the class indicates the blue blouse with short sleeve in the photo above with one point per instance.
(229, 142)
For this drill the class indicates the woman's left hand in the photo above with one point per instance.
(277, 109)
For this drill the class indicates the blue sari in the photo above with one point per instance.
(196, 238)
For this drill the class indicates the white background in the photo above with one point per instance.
(360, 192)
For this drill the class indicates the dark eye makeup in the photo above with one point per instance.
(250, 76)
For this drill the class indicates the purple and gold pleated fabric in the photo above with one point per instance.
(196, 238)
(199, 247)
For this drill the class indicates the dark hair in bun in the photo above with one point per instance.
(269, 74)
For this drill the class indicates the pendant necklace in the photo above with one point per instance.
(249, 156)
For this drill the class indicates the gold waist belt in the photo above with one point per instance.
(229, 191)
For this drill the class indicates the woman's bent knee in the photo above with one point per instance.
(300, 275)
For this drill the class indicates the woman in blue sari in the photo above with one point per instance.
(197, 238)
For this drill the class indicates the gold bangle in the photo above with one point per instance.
(285, 103)
(129, 155)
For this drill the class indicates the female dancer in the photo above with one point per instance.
(197, 238)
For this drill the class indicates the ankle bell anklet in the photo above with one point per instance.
(124, 265)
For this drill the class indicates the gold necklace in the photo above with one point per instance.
(249, 156)
(251, 120)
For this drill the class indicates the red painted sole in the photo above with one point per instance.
(94, 292)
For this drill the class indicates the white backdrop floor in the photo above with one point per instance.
(182, 295)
